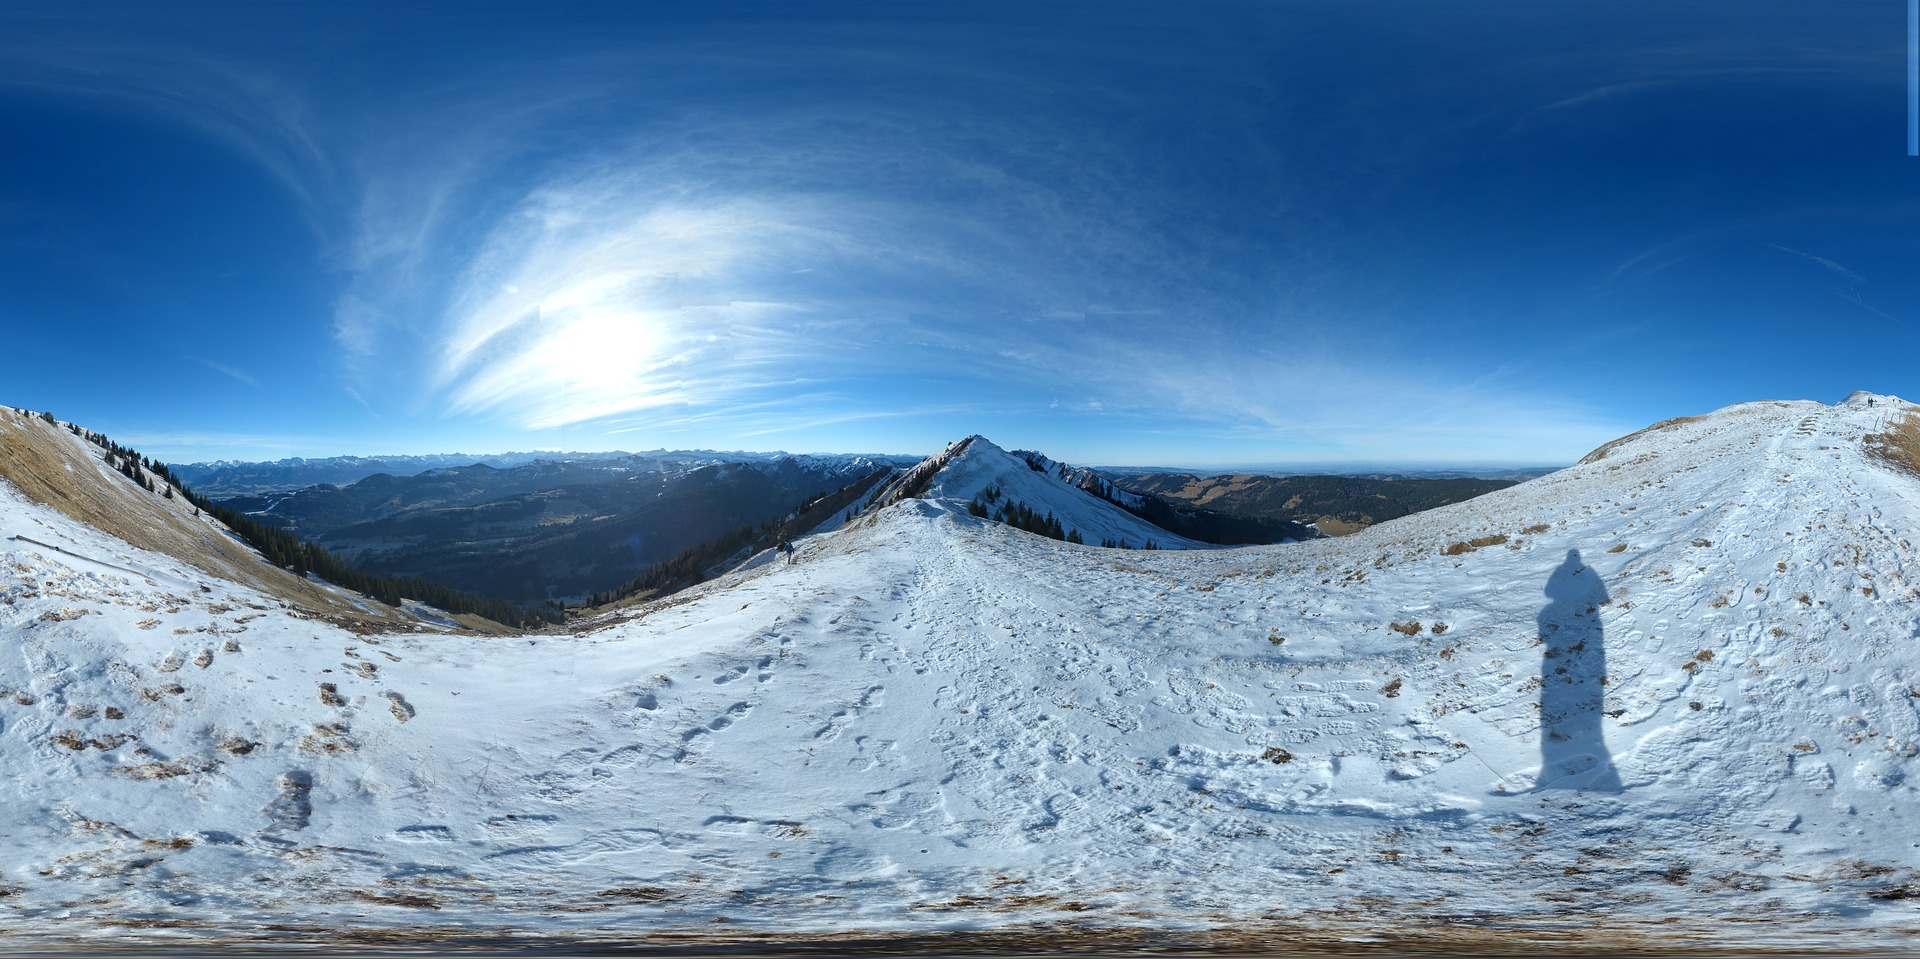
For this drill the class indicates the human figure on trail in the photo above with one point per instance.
(1573, 676)
(787, 548)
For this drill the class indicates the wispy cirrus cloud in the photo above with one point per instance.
(717, 262)
(236, 374)
(1823, 261)
(1336, 409)
(580, 309)
(244, 104)
(1850, 292)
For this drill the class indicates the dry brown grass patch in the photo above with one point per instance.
(639, 894)
(1335, 526)
(1606, 450)
(405, 900)
(52, 466)
(166, 770)
(1899, 446)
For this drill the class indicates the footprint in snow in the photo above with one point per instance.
(292, 809)
(399, 707)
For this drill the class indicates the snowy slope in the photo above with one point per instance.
(1049, 488)
(1080, 477)
(53, 465)
(931, 721)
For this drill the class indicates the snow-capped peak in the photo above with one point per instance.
(973, 475)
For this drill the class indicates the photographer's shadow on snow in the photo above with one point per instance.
(1573, 671)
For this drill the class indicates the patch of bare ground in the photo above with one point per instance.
(1607, 449)
(1899, 446)
(639, 894)
(238, 746)
(406, 900)
(1478, 542)
(51, 465)
(1335, 526)
(1201, 492)
(1005, 902)
(1463, 936)
(167, 770)
(328, 739)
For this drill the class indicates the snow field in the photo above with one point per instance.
(932, 721)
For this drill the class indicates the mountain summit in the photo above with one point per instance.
(1666, 697)
(974, 470)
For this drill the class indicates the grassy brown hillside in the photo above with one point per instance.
(54, 466)
(1899, 446)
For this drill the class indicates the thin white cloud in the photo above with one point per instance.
(356, 327)
(789, 425)
(580, 309)
(1850, 293)
(719, 251)
(1823, 261)
(1324, 407)
(1661, 84)
(1667, 254)
(1853, 296)
(244, 106)
(222, 368)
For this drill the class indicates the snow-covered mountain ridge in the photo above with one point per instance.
(1080, 477)
(1041, 485)
(1664, 698)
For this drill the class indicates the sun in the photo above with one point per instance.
(604, 352)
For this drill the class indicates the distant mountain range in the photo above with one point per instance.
(550, 529)
(225, 478)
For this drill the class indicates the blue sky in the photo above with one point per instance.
(1185, 234)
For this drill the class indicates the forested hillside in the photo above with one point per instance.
(546, 531)
(1336, 505)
